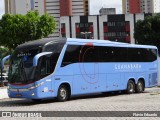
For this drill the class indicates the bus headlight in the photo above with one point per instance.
(32, 87)
(32, 94)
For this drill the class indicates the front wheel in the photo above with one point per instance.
(140, 87)
(130, 87)
(63, 93)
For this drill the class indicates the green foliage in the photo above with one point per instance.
(147, 31)
(3, 52)
(17, 29)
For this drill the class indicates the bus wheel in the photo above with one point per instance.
(63, 93)
(140, 86)
(130, 87)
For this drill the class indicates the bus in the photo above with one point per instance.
(65, 67)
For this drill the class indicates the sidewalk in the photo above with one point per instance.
(3, 92)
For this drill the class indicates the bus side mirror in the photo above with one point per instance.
(4, 60)
(36, 57)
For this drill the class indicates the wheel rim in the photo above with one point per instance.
(63, 93)
(131, 87)
(140, 86)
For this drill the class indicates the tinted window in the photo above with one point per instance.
(113, 54)
(88, 54)
(45, 67)
(133, 55)
(120, 54)
(106, 54)
(55, 47)
(77, 53)
(141, 55)
(71, 55)
(152, 55)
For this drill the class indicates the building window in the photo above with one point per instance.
(117, 31)
(63, 29)
(84, 30)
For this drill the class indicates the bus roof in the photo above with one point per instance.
(39, 43)
(106, 42)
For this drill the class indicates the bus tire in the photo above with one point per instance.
(130, 87)
(63, 93)
(140, 86)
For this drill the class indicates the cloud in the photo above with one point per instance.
(96, 5)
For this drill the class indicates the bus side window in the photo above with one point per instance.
(132, 55)
(106, 54)
(45, 67)
(71, 55)
(89, 54)
(120, 54)
(152, 55)
(53, 61)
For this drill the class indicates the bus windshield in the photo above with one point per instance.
(21, 69)
(21, 66)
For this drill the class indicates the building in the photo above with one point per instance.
(107, 11)
(17, 6)
(80, 7)
(54, 8)
(140, 6)
(118, 28)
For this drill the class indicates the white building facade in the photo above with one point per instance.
(141, 6)
(17, 6)
(150, 6)
(118, 28)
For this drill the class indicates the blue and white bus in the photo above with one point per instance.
(62, 68)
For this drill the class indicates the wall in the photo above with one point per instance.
(22, 6)
(98, 22)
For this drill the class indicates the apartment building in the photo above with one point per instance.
(17, 6)
(56, 8)
(140, 6)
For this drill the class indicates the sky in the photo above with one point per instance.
(1, 7)
(95, 6)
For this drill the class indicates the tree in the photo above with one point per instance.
(147, 31)
(3, 51)
(17, 29)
